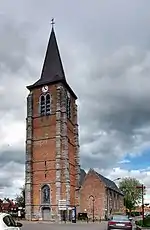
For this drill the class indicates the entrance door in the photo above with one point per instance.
(46, 213)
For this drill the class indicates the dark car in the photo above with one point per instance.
(120, 222)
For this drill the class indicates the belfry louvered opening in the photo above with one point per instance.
(42, 105)
(48, 104)
(45, 104)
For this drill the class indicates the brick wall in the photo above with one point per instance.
(92, 186)
(44, 144)
(54, 151)
(106, 201)
(114, 202)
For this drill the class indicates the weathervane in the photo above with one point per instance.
(52, 22)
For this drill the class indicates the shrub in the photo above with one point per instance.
(145, 224)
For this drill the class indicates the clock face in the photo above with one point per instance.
(45, 89)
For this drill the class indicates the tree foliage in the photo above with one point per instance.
(20, 199)
(132, 194)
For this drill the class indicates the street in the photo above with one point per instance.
(63, 226)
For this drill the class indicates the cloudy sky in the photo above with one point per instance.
(105, 48)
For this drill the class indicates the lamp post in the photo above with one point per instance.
(93, 199)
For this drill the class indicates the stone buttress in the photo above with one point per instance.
(28, 163)
(77, 158)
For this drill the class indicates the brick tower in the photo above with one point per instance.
(52, 147)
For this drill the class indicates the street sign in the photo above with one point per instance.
(62, 205)
(142, 186)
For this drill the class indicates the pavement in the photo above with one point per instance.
(27, 225)
(56, 226)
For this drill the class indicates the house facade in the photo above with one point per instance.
(100, 196)
(8, 205)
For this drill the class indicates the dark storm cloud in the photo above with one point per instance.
(105, 51)
(15, 155)
(13, 46)
(117, 105)
(5, 181)
(8, 175)
(15, 65)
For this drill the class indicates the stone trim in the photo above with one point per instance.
(28, 164)
(58, 146)
(77, 158)
(65, 155)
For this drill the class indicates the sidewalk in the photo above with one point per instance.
(53, 222)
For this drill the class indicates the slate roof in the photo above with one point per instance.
(82, 176)
(109, 183)
(52, 68)
(52, 71)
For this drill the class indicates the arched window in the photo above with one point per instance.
(45, 194)
(48, 104)
(68, 107)
(42, 105)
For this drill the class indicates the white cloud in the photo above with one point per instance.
(124, 162)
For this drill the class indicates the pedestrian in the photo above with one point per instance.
(87, 219)
(19, 214)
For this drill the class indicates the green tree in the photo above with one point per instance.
(132, 194)
(20, 199)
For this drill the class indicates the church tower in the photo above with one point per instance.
(52, 147)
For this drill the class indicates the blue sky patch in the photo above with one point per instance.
(139, 162)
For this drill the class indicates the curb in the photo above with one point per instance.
(63, 223)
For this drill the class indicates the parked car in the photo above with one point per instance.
(120, 222)
(7, 222)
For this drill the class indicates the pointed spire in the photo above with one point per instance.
(52, 71)
(52, 68)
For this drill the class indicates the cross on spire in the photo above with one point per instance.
(52, 22)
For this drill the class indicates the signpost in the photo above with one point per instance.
(62, 205)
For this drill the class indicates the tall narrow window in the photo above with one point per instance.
(42, 105)
(48, 104)
(68, 107)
